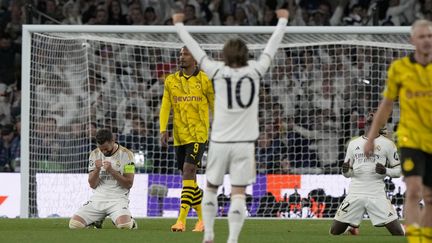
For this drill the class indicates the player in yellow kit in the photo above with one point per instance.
(189, 93)
(410, 81)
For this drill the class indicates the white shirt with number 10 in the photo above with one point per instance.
(236, 89)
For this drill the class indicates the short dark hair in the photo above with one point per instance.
(103, 135)
(235, 53)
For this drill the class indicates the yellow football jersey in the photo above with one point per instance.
(412, 83)
(191, 99)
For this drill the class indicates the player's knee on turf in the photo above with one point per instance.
(337, 228)
(75, 224)
(395, 228)
(332, 231)
(129, 225)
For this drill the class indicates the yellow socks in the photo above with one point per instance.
(187, 196)
(196, 203)
(413, 233)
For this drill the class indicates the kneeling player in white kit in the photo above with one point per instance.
(366, 192)
(111, 175)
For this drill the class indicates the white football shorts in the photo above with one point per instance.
(353, 208)
(93, 211)
(235, 159)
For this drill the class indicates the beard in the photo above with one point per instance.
(110, 153)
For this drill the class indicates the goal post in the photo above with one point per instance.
(76, 78)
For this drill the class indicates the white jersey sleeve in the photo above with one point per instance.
(92, 159)
(266, 57)
(204, 63)
(393, 166)
(210, 67)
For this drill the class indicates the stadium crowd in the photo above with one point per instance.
(312, 142)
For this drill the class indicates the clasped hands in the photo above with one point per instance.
(106, 165)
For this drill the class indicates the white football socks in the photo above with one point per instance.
(236, 216)
(209, 210)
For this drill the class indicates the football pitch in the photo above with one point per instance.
(158, 230)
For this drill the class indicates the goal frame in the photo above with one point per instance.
(27, 31)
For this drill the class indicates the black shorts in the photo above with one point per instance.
(417, 163)
(191, 153)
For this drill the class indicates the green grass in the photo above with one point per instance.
(157, 230)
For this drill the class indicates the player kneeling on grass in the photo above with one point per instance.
(366, 191)
(111, 175)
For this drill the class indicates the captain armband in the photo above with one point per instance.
(129, 168)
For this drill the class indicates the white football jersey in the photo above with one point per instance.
(364, 179)
(236, 100)
(236, 89)
(109, 189)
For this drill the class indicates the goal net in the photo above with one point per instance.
(313, 100)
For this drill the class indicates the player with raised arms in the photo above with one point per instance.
(366, 192)
(235, 124)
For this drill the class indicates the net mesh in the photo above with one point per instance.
(313, 100)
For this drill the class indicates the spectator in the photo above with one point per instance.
(13, 27)
(136, 16)
(230, 20)
(297, 16)
(321, 17)
(141, 139)
(93, 128)
(5, 113)
(71, 13)
(269, 150)
(215, 9)
(44, 140)
(336, 18)
(74, 147)
(150, 17)
(269, 18)
(101, 17)
(190, 15)
(240, 17)
(15, 148)
(300, 158)
(53, 10)
(7, 59)
(88, 10)
(423, 10)
(397, 12)
(162, 9)
(115, 14)
(357, 16)
(325, 132)
(250, 10)
(6, 156)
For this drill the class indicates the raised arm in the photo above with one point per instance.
(199, 55)
(274, 41)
